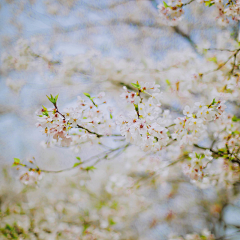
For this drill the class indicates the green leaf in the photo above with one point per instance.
(136, 107)
(111, 222)
(16, 160)
(114, 205)
(111, 116)
(209, 3)
(165, 4)
(168, 82)
(52, 99)
(49, 98)
(90, 168)
(56, 98)
(136, 85)
(91, 98)
(87, 95)
(235, 119)
(197, 155)
(85, 227)
(213, 59)
(78, 158)
(222, 150)
(205, 50)
(212, 103)
(77, 164)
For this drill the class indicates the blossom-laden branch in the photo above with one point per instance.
(88, 116)
(146, 126)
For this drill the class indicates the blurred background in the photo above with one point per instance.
(68, 47)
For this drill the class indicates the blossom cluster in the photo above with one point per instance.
(172, 12)
(31, 178)
(146, 125)
(233, 10)
(89, 117)
(149, 127)
(191, 128)
(198, 162)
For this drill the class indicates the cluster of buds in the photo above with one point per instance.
(190, 128)
(30, 177)
(171, 14)
(198, 162)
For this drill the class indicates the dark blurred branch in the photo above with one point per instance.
(130, 22)
(186, 37)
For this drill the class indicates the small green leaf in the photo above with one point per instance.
(78, 158)
(168, 82)
(212, 103)
(165, 4)
(77, 164)
(114, 205)
(235, 119)
(205, 50)
(136, 107)
(209, 3)
(111, 222)
(49, 98)
(212, 59)
(85, 227)
(197, 155)
(90, 168)
(56, 98)
(136, 85)
(111, 116)
(16, 160)
(87, 95)
(52, 99)
(222, 150)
